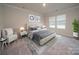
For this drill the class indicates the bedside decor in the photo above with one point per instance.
(22, 29)
(75, 28)
(23, 32)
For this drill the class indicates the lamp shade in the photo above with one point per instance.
(22, 28)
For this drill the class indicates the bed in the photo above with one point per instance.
(42, 36)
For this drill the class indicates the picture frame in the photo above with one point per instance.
(34, 18)
(31, 18)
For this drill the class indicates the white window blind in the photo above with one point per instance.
(52, 22)
(61, 21)
(58, 22)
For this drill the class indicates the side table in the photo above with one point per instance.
(3, 42)
(23, 34)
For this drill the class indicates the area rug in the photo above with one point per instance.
(51, 48)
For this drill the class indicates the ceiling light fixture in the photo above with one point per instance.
(44, 4)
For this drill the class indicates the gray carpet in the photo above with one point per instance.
(60, 45)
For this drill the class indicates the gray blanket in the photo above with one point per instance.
(37, 36)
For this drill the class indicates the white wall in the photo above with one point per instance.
(17, 17)
(70, 15)
(1, 16)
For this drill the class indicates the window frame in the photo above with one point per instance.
(56, 21)
(50, 20)
(64, 19)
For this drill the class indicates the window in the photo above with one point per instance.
(52, 22)
(61, 21)
(58, 22)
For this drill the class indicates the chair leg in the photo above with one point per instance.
(5, 44)
(2, 45)
(8, 44)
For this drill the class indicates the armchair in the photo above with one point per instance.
(10, 35)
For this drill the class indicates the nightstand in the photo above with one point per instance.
(23, 33)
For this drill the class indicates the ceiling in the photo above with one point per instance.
(50, 7)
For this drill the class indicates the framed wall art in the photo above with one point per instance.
(34, 18)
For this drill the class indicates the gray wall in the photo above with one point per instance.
(17, 17)
(1, 16)
(70, 15)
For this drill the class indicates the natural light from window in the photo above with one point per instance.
(58, 22)
(61, 21)
(52, 22)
